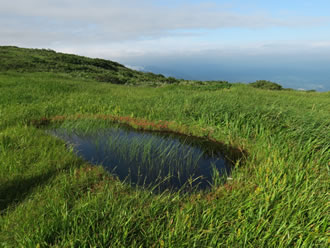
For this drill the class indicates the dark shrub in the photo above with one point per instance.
(104, 64)
(267, 85)
(171, 80)
(110, 78)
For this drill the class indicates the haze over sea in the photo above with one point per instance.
(297, 74)
(287, 42)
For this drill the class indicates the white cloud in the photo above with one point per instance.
(317, 86)
(186, 47)
(321, 44)
(116, 20)
(135, 67)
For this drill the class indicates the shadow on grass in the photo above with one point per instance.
(15, 191)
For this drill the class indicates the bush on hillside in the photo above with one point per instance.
(110, 78)
(205, 85)
(104, 64)
(267, 85)
(172, 80)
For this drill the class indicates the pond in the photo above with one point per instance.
(157, 160)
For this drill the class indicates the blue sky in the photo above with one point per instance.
(240, 40)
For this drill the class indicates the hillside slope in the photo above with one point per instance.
(45, 60)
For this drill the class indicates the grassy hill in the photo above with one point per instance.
(44, 60)
(51, 198)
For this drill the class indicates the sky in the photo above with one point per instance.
(285, 41)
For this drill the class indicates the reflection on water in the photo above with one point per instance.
(160, 160)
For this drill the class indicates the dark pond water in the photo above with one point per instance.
(153, 159)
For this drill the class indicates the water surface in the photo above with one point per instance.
(153, 159)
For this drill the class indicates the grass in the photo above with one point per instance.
(51, 198)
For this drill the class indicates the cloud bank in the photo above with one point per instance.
(38, 22)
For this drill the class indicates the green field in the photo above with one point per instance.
(278, 195)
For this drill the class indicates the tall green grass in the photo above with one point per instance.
(276, 198)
